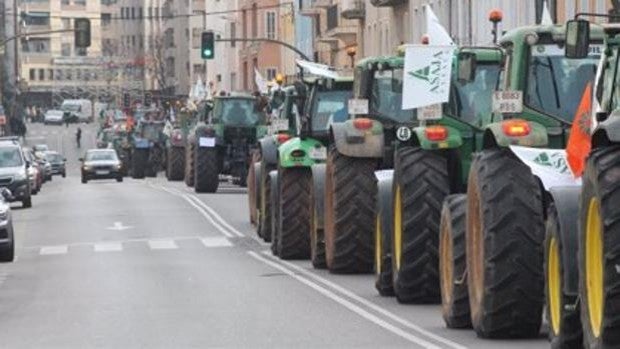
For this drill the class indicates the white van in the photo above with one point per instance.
(82, 108)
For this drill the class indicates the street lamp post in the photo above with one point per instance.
(204, 27)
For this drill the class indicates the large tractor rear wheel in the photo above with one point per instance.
(265, 204)
(273, 211)
(420, 185)
(189, 164)
(562, 309)
(294, 213)
(207, 172)
(317, 231)
(452, 263)
(599, 249)
(139, 160)
(350, 194)
(176, 163)
(383, 238)
(504, 239)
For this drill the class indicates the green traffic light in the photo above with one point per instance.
(207, 53)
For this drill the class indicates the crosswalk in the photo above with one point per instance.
(120, 246)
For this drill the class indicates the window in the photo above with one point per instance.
(170, 67)
(199, 69)
(233, 81)
(65, 50)
(140, 12)
(271, 73)
(233, 33)
(122, 12)
(106, 19)
(254, 21)
(79, 2)
(133, 13)
(50, 74)
(35, 45)
(80, 51)
(33, 74)
(219, 77)
(150, 13)
(270, 25)
(41, 74)
(37, 18)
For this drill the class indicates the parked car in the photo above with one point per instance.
(35, 171)
(57, 162)
(14, 171)
(101, 164)
(7, 241)
(53, 116)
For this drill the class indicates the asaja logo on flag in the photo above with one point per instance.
(556, 160)
(435, 72)
(427, 75)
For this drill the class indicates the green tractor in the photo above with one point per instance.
(296, 185)
(222, 143)
(583, 222)
(148, 144)
(175, 145)
(265, 158)
(491, 263)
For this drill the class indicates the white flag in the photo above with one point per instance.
(261, 83)
(427, 75)
(318, 69)
(436, 32)
(549, 165)
(546, 15)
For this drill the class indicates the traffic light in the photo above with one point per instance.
(126, 100)
(82, 32)
(208, 45)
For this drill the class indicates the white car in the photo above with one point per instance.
(53, 117)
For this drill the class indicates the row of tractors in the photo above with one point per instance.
(441, 204)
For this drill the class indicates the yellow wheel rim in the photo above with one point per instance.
(378, 246)
(594, 267)
(398, 227)
(554, 285)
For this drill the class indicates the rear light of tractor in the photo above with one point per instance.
(436, 133)
(516, 128)
(283, 137)
(362, 123)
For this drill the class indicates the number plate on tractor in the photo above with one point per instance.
(318, 153)
(206, 142)
(508, 102)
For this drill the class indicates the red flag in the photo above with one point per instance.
(578, 146)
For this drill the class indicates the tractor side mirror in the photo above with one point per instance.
(577, 38)
(466, 67)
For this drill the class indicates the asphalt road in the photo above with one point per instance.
(147, 263)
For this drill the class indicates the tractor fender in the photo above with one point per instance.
(454, 139)
(318, 193)
(494, 136)
(566, 200)
(356, 143)
(385, 201)
(607, 131)
(269, 150)
(301, 152)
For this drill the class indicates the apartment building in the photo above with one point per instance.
(219, 17)
(258, 19)
(337, 32)
(51, 67)
(390, 22)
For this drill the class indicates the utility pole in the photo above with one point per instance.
(204, 28)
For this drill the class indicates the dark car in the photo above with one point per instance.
(7, 242)
(14, 171)
(101, 164)
(57, 162)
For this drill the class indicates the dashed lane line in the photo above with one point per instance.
(108, 247)
(162, 245)
(53, 250)
(216, 242)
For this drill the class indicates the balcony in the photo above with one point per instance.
(348, 34)
(313, 8)
(353, 9)
(387, 3)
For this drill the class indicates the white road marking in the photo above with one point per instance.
(216, 242)
(50, 250)
(348, 304)
(108, 247)
(119, 226)
(162, 245)
(217, 216)
(370, 305)
(204, 213)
